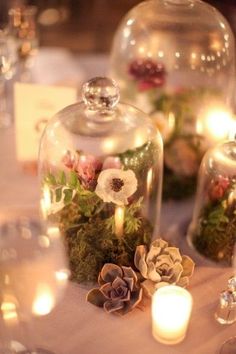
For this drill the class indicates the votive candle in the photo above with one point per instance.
(171, 309)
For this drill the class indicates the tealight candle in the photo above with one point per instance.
(171, 309)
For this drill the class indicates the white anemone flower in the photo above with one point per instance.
(116, 186)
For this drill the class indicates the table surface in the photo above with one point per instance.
(77, 327)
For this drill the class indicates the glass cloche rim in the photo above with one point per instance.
(223, 151)
(178, 5)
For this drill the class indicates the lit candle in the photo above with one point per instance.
(171, 309)
(215, 124)
(149, 181)
(119, 220)
(44, 300)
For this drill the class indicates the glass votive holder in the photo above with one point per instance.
(226, 310)
(171, 310)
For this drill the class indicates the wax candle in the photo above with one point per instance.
(171, 309)
(215, 124)
(119, 220)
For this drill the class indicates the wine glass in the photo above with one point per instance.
(8, 61)
(226, 313)
(22, 26)
(32, 279)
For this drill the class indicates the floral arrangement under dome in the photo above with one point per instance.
(102, 204)
(121, 289)
(215, 234)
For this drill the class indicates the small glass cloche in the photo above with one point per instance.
(213, 228)
(100, 167)
(174, 59)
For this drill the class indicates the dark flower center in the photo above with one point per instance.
(116, 184)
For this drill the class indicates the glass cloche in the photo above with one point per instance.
(174, 59)
(213, 228)
(100, 168)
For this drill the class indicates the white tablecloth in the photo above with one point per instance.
(76, 327)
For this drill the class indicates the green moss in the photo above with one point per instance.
(217, 233)
(91, 245)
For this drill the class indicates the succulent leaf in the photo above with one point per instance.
(152, 273)
(113, 306)
(148, 287)
(183, 282)
(129, 273)
(110, 271)
(106, 289)
(174, 253)
(188, 266)
(130, 282)
(96, 297)
(160, 285)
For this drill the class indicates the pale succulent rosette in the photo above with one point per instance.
(162, 265)
(119, 291)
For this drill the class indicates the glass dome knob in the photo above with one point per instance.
(100, 93)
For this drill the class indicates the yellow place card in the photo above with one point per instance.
(34, 105)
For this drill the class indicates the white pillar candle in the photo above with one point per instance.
(119, 221)
(171, 309)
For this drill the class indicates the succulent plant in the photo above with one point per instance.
(162, 265)
(119, 291)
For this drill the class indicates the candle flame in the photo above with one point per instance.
(216, 124)
(44, 300)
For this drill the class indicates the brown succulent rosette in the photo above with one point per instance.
(119, 290)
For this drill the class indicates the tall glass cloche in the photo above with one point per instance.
(212, 231)
(100, 168)
(174, 59)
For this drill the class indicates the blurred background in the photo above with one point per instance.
(88, 25)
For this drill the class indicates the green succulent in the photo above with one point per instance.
(119, 290)
(162, 265)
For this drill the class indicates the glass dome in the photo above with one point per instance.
(213, 228)
(100, 167)
(174, 59)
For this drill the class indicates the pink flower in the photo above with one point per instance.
(68, 160)
(218, 188)
(87, 168)
(111, 162)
